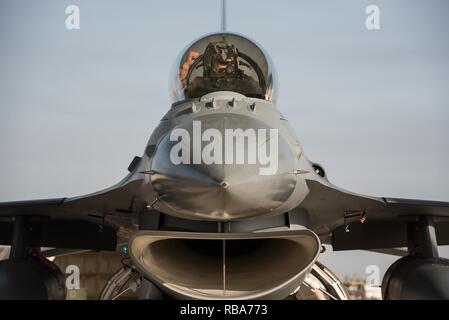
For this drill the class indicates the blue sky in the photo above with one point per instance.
(371, 106)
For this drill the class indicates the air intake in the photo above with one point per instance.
(264, 265)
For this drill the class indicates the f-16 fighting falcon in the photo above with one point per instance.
(223, 203)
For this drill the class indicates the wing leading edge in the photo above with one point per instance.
(361, 222)
(86, 222)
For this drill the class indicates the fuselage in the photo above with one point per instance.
(225, 157)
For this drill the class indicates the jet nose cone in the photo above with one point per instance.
(222, 167)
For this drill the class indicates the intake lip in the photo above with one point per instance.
(263, 265)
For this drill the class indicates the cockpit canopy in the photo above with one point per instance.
(223, 62)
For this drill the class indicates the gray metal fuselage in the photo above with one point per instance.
(224, 205)
(224, 191)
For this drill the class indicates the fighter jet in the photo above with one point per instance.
(223, 203)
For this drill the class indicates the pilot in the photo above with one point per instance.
(224, 69)
(186, 66)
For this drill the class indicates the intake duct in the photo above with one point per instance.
(262, 265)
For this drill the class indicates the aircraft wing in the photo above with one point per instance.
(86, 222)
(356, 221)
